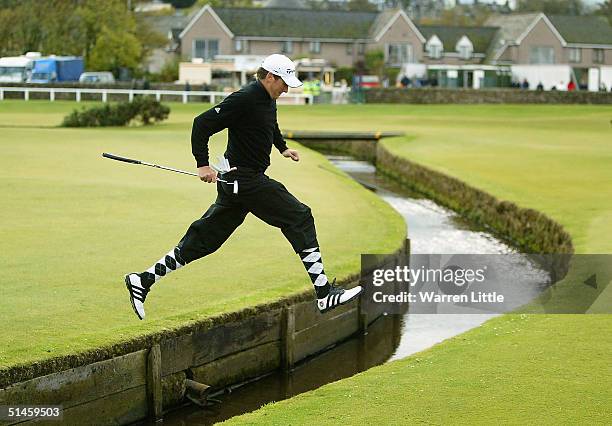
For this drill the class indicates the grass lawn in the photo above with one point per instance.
(74, 223)
(516, 369)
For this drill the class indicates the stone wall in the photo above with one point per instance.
(483, 96)
(144, 377)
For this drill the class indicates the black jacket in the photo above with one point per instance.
(249, 114)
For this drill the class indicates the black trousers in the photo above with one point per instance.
(266, 198)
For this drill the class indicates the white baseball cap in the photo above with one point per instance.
(283, 67)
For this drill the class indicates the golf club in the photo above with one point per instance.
(222, 169)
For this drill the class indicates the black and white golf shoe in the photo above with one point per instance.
(138, 293)
(337, 296)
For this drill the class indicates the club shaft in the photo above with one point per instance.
(157, 166)
(168, 168)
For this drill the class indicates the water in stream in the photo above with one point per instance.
(431, 229)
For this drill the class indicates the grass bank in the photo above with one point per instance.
(515, 368)
(74, 223)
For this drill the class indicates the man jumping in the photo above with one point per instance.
(250, 117)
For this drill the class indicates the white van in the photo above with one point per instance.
(16, 69)
(102, 77)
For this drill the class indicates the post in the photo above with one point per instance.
(212, 99)
(287, 338)
(104, 96)
(154, 383)
(362, 311)
(1, 95)
(131, 95)
(51, 95)
(157, 96)
(184, 97)
(78, 95)
(26, 95)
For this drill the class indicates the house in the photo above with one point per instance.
(340, 37)
(553, 49)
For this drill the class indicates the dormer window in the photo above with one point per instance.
(434, 47)
(465, 48)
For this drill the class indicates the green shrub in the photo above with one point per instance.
(344, 73)
(142, 109)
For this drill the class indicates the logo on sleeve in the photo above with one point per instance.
(217, 109)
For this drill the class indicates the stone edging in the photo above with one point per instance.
(484, 96)
(526, 229)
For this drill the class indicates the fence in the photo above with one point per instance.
(289, 99)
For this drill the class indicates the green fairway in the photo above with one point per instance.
(515, 369)
(511, 370)
(75, 223)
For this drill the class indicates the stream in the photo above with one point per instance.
(431, 229)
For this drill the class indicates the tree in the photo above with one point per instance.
(361, 6)
(404, 4)
(182, 4)
(375, 62)
(226, 3)
(461, 15)
(30, 25)
(148, 37)
(95, 15)
(170, 71)
(605, 9)
(553, 7)
(77, 27)
(115, 50)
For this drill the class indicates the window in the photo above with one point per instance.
(361, 48)
(399, 53)
(465, 48)
(434, 47)
(541, 55)
(315, 47)
(287, 46)
(598, 56)
(238, 45)
(206, 49)
(575, 55)
(349, 49)
(465, 52)
(435, 52)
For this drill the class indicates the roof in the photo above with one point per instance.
(380, 21)
(481, 37)
(583, 29)
(297, 23)
(573, 29)
(511, 27)
(167, 23)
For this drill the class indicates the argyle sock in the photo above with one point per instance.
(311, 258)
(170, 262)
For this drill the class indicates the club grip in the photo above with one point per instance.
(116, 157)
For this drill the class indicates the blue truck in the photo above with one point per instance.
(56, 69)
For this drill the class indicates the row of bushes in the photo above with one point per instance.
(143, 109)
(527, 229)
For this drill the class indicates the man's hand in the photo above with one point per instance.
(207, 174)
(291, 153)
